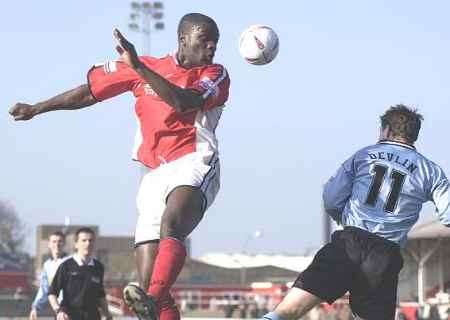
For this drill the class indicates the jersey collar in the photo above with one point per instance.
(174, 58)
(177, 64)
(78, 260)
(62, 256)
(400, 144)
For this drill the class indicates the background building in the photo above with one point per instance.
(218, 280)
(426, 257)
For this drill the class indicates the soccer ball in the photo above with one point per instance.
(258, 44)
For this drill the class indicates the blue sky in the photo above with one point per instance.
(287, 126)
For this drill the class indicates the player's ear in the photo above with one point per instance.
(384, 132)
(182, 40)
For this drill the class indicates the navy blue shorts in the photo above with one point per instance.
(358, 262)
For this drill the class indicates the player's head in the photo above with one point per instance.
(197, 40)
(56, 242)
(401, 123)
(84, 241)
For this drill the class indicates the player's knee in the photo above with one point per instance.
(296, 304)
(290, 312)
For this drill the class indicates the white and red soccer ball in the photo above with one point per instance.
(259, 44)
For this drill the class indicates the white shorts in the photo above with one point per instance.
(193, 169)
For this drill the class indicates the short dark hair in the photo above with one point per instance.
(403, 122)
(195, 19)
(58, 233)
(83, 230)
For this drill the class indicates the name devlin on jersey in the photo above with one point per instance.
(392, 157)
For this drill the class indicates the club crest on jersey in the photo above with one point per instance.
(148, 90)
(209, 86)
(95, 279)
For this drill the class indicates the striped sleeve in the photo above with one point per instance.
(214, 85)
(338, 189)
(440, 195)
(111, 79)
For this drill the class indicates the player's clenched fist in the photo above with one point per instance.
(22, 111)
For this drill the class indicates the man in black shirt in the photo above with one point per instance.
(81, 280)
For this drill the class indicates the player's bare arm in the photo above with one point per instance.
(183, 100)
(77, 98)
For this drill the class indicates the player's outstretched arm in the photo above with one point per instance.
(76, 98)
(441, 196)
(182, 100)
(338, 190)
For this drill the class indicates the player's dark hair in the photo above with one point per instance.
(83, 230)
(58, 233)
(403, 122)
(195, 19)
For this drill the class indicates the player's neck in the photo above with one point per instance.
(56, 256)
(84, 258)
(182, 60)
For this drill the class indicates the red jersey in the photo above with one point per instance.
(164, 134)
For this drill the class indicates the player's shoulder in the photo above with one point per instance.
(152, 60)
(98, 263)
(217, 67)
(65, 257)
(47, 263)
(67, 263)
(364, 151)
(68, 260)
(430, 163)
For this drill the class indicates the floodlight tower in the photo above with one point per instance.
(144, 17)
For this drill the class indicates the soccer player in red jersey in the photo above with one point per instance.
(179, 100)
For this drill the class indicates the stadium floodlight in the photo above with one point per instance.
(157, 15)
(134, 16)
(133, 26)
(146, 5)
(158, 5)
(159, 26)
(135, 5)
(141, 20)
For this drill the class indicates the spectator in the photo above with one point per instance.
(56, 242)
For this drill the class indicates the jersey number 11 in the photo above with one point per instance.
(397, 179)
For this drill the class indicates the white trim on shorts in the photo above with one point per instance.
(198, 170)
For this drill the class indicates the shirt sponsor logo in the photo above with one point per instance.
(95, 279)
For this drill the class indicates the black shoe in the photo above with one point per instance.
(140, 303)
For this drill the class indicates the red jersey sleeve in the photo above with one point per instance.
(111, 79)
(214, 85)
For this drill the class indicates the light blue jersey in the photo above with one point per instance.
(381, 189)
(48, 272)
